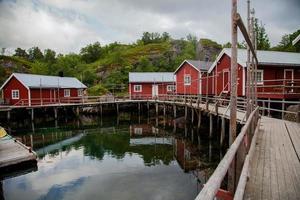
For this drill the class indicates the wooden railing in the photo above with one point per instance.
(212, 186)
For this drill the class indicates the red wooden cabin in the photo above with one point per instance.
(278, 75)
(31, 89)
(191, 77)
(150, 84)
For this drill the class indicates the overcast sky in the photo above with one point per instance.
(68, 25)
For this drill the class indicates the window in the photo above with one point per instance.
(15, 94)
(137, 88)
(138, 131)
(187, 79)
(80, 92)
(260, 76)
(170, 88)
(67, 93)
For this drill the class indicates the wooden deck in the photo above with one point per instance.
(275, 166)
(13, 152)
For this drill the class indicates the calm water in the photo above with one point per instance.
(114, 158)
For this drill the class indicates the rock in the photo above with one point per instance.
(292, 116)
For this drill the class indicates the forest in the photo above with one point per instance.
(105, 68)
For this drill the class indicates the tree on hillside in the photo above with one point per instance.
(262, 37)
(35, 54)
(91, 52)
(49, 56)
(21, 53)
(240, 45)
(154, 37)
(286, 43)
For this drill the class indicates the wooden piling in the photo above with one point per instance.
(55, 113)
(210, 125)
(117, 107)
(223, 128)
(164, 109)
(185, 112)
(192, 110)
(8, 115)
(32, 114)
(156, 108)
(282, 109)
(174, 110)
(199, 119)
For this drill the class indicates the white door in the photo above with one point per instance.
(154, 90)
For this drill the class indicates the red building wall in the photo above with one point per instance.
(147, 89)
(187, 89)
(14, 84)
(222, 67)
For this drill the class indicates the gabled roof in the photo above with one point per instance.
(197, 64)
(42, 81)
(151, 77)
(264, 58)
(296, 40)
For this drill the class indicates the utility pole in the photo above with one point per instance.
(249, 107)
(233, 69)
(253, 71)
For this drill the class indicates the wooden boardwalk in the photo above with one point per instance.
(13, 152)
(275, 165)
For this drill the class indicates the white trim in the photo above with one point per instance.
(80, 94)
(67, 95)
(200, 83)
(17, 92)
(244, 82)
(262, 77)
(29, 97)
(187, 75)
(223, 85)
(292, 70)
(172, 89)
(13, 75)
(140, 90)
(185, 61)
(130, 89)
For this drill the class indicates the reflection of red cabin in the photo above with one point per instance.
(278, 74)
(191, 77)
(150, 84)
(30, 89)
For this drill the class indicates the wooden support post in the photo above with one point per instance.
(269, 106)
(210, 125)
(206, 105)
(139, 107)
(185, 112)
(77, 111)
(32, 114)
(199, 119)
(101, 109)
(164, 110)
(8, 115)
(192, 115)
(233, 92)
(192, 135)
(55, 113)
(174, 110)
(282, 109)
(264, 107)
(117, 106)
(156, 108)
(223, 128)
(31, 141)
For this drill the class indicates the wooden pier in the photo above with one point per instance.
(275, 166)
(13, 152)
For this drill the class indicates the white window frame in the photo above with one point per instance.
(260, 82)
(137, 88)
(80, 92)
(67, 92)
(187, 79)
(170, 88)
(15, 94)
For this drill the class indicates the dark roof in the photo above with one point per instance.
(199, 64)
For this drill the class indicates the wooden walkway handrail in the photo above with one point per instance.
(212, 186)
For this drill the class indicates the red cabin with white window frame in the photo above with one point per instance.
(192, 79)
(31, 89)
(278, 74)
(143, 85)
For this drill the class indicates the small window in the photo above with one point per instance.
(137, 88)
(15, 94)
(170, 88)
(80, 92)
(187, 79)
(260, 76)
(67, 93)
(138, 131)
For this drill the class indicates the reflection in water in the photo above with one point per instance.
(116, 159)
